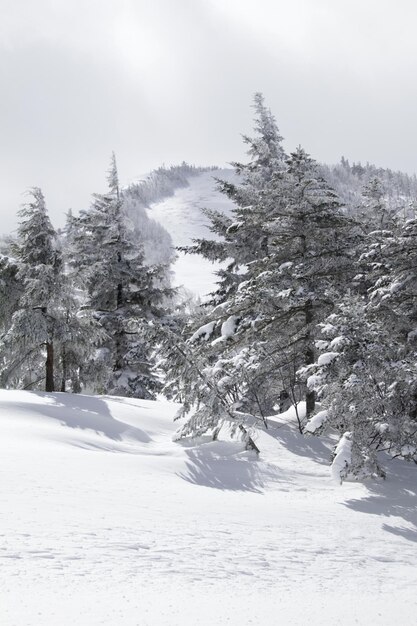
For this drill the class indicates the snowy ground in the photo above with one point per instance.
(182, 217)
(105, 520)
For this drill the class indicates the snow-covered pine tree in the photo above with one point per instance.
(393, 300)
(295, 286)
(366, 378)
(375, 212)
(242, 238)
(353, 377)
(261, 331)
(122, 292)
(34, 323)
(10, 290)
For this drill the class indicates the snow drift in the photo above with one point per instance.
(106, 520)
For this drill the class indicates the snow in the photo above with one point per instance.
(314, 380)
(105, 520)
(396, 286)
(412, 335)
(382, 428)
(327, 329)
(338, 342)
(182, 216)
(316, 422)
(204, 332)
(408, 450)
(327, 357)
(343, 457)
(228, 329)
(285, 266)
(229, 326)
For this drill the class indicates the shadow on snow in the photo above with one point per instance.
(394, 497)
(222, 465)
(314, 448)
(87, 412)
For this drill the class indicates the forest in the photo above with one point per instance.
(316, 302)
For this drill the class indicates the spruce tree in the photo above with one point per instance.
(30, 338)
(261, 329)
(122, 292)
(366, 377)
(243, 238)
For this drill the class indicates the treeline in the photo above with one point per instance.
(162, 182)
(315, 303)
(348, 180)
(75, 306)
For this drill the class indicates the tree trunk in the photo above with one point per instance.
(64, 369)
(250, 444)
(118, 336)
(309, 358)
(49, 367)
(284, 401)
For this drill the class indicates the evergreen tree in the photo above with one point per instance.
(353, 378)
(34, 324)
(122, 291)
(262, 327)
(366, 378)
(243, 237)
(10, 290)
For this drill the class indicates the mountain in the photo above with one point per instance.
(179, 210)
(181, 215)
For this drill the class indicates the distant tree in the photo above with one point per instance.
(375, 213)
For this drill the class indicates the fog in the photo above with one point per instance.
(171, 80)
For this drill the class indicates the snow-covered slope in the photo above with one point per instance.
(182, 217)
(105, 520)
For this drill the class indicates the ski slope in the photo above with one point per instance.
(104, 519)
(181, 215)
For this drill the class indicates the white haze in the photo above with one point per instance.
(163, 81)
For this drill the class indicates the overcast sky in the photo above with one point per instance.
(161, 81)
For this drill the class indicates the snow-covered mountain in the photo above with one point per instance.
(104, 519)
(181, 215)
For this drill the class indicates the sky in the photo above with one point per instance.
(162, 81)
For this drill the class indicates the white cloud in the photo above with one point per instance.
(167, 80)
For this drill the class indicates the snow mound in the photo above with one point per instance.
(316, 422)
(343, 457)
(106, 520)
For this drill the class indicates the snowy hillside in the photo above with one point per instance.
(105, 520)
(181, 215)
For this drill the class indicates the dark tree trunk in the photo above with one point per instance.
(309, 357)
(119, 361)
(284, 401)
(64, 369)
(119, 296)
(49, 366)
